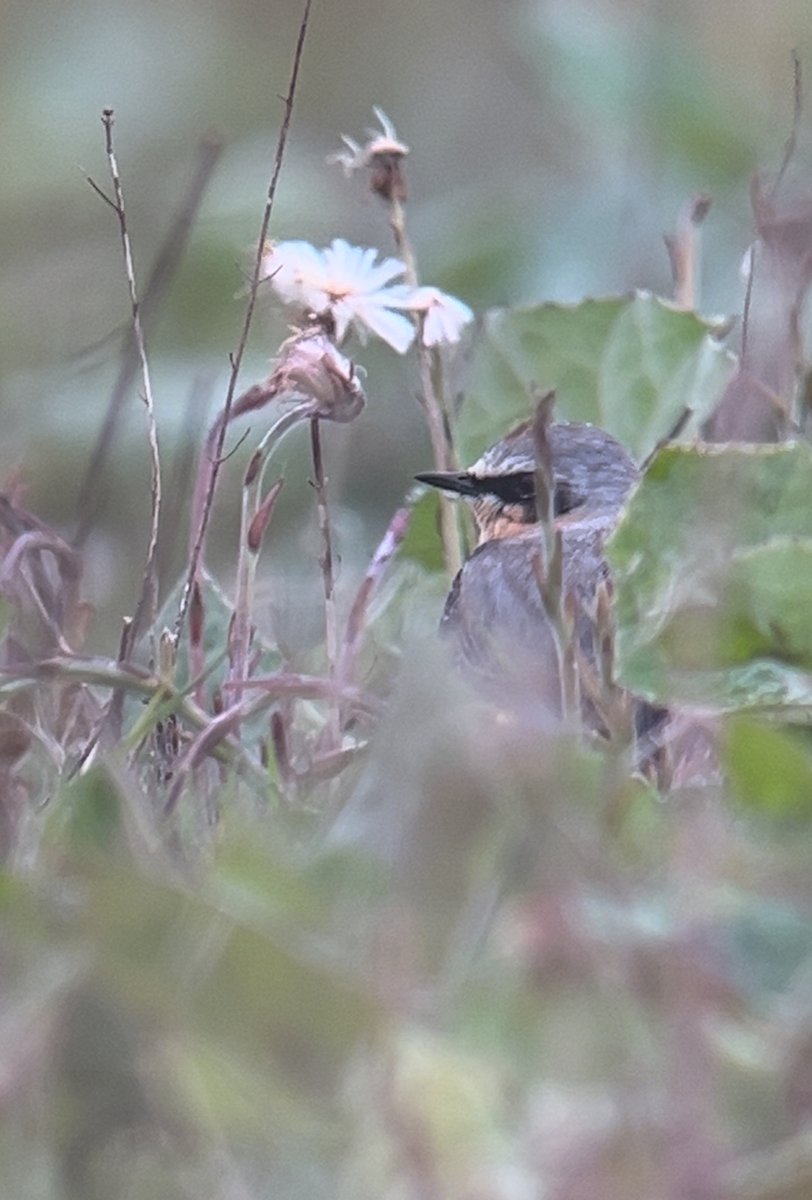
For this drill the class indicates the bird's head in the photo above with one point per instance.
(592, 475)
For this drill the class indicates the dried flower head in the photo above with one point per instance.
(443, 317)
(381, 154)
(342, 287)
(309, 365)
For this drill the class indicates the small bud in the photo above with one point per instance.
(253, 467)
(166, 654)
(259, 523)
(196, 615)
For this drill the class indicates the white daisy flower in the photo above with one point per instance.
(344, 284)
(444, 316)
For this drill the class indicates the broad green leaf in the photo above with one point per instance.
(767, 605)
(770, 770)
(87, 816)
(712, 564)
(630, 364)
(422, 542)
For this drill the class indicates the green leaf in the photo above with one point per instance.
(630, 364)
(422, 542)
(770, 770)
(87, 814)
(767, 602)
(712, 564)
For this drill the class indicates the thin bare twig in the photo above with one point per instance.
(797, 113)
(237, 356)
(166, 264)
(148, 600)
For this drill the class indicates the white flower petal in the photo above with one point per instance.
(387, 128)
(345, 282)
(391, 327)
(343, 316)
(444, 316)
(294, 269)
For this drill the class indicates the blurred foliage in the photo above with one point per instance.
(465, 952)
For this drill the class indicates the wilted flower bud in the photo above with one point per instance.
(309, 365)
(382, 155)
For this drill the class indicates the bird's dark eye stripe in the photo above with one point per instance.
(565, 498)
(521, 489)
(513, 489)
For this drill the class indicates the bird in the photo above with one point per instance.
(495, 613)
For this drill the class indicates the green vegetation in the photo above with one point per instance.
(291, 905)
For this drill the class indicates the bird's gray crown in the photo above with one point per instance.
(587, 459)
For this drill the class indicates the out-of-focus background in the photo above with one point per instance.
(487, 958)
(552, 145)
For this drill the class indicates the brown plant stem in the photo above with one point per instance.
(683, 251)
(387, 548)
(128, 678)
(436, 418)
(548, 562)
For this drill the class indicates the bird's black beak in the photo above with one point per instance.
(452, 481)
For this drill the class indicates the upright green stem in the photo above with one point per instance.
(247, 560)
(330, 617)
